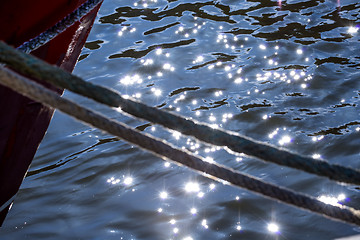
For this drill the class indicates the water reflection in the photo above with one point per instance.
(332, 200)
(193, 211)
(273, 228)
(353, 30)
(128, 181)
(192, 187)
(204, 224)
(257, 76)
(285, 140)
(276, 70)
(163, 195)
(188, 238)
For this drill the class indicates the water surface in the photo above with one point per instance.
(282, 72)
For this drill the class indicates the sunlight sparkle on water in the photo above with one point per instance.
(238, 80)
(331, 200)
(128, 181)
(193, 211)
(273, 227)
(341, 197)
(212, 118)
(156, 91)
(176, 135)
(199, 59)
(226, 116)
(167, 66)
(163, 195)
(353, 30)
(227, 68)
(209, 159)
(218, 93)
(158, 51)
(285, 140)
(262, 46)
(204, 224)
(192, 187)
(314, 139)
(113, 180)
(188, 238)
(130, 80)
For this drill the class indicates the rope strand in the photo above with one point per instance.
(31, 66)
(183, 157)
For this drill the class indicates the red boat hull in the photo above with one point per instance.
(23, 122)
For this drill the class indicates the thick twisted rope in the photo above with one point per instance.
(165, 150)
(58, 28)
(31, 66)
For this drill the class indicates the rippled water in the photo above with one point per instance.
(282, 72)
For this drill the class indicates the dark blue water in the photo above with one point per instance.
(282, 72)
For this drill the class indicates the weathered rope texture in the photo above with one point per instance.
(183, 157)
(58, 28)
(33, 67)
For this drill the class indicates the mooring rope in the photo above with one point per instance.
(58, 28)
(33, 67)
(7, 203)
(165, 150)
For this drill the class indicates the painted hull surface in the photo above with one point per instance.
(23, 122)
